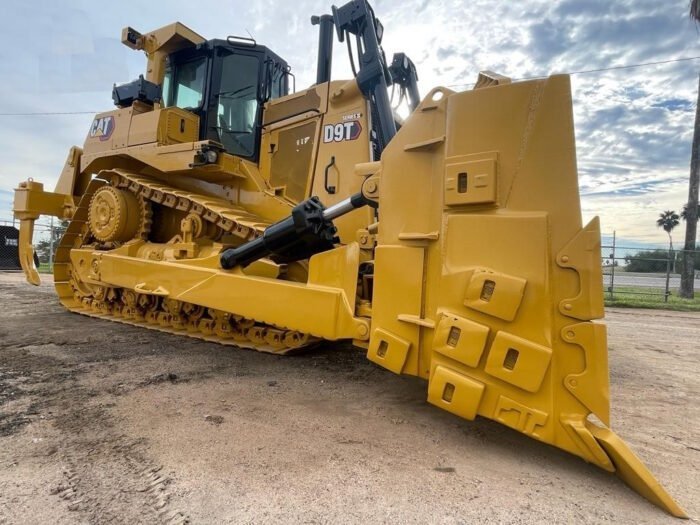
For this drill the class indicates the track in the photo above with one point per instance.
(150, 311)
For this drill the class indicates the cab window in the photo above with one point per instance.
(277, 79)
(237, 104)
(186, 89)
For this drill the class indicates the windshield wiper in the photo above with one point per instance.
(230, 94)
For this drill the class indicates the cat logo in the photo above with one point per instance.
(102, 128)
(344, 131)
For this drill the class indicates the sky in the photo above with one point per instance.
(633, 126)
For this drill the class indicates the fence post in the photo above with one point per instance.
(668, 274)
(612, 271)
(51, 247)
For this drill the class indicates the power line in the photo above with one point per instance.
(684, 59)
(48, 114)
(599, 70)
(582, 72)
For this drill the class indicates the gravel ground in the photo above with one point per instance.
(107, 423)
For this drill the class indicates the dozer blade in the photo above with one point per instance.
(633, 472)
(486, 282)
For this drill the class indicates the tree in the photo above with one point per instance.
(684, 213)
(647, 261)
(691, 220)
(43, 247)
(668, 220)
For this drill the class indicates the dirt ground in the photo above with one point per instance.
(106, 423)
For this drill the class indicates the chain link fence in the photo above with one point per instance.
(643, 272)
(646, 272)
(9, 242)
(47, 234)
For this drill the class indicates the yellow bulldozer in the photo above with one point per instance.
(215, 203)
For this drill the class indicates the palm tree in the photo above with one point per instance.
(684, 212)
(691, 216)
(668, 220)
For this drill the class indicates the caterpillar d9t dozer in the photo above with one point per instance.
(214, 203)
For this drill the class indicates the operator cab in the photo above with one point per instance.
(226, 83)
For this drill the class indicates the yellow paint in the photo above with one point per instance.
(461, 339)
(478, 276)
(455, 392)
(518, 361)
(495, 293)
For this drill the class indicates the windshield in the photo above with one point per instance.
(238, 104)
(187, 89)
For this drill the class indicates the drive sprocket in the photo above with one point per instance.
(116, 215)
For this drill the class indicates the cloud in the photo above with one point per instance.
(549, 39)
(633, 126)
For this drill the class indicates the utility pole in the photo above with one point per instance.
(687, 289)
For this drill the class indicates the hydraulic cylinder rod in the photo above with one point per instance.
(308, 230)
